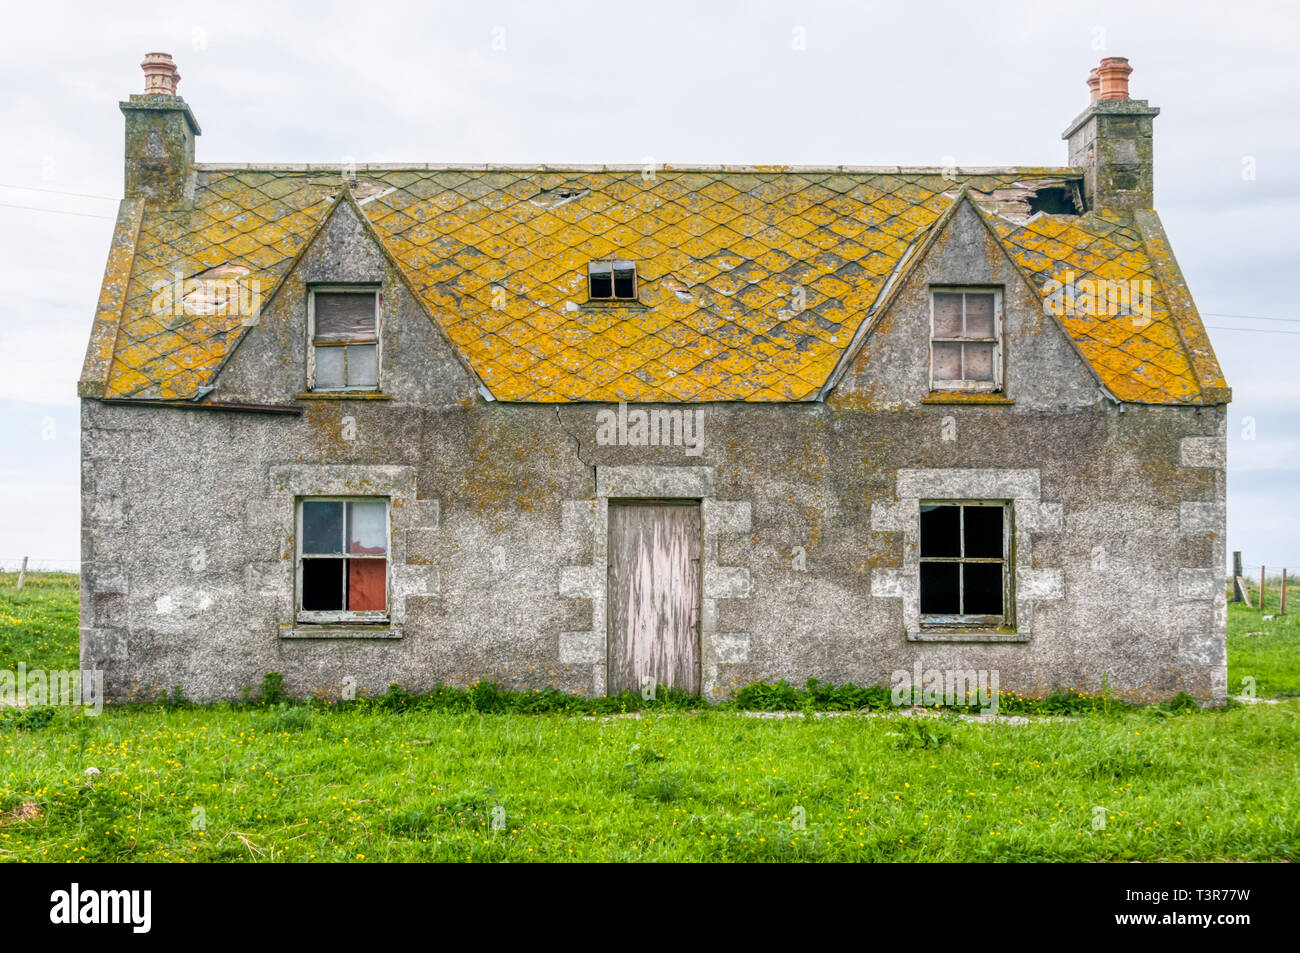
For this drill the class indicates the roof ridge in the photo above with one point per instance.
(1058, 171)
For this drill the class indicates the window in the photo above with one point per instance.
(343, 559)
(966, 340)
(964, 556)
(344, 328)
(611, 280)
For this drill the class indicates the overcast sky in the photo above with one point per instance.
(678, 82)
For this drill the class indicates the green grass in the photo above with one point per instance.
(1266, 650)
(367, 782)
(300, 784)
(38, 625)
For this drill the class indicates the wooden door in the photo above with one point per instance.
(654, 596)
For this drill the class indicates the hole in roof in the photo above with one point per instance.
(365, 189)
(1054, 200)
(552, 198)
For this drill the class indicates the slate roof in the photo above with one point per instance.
(719, 252)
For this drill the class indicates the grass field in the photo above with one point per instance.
(283, 782)
(1267, 650)
(38, 624)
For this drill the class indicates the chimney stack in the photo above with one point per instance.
(160, 131)
(1111, 141)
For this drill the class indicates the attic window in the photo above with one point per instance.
(966, 339)
(343, 323)
(611, 280)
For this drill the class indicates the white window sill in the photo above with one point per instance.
(338, 630)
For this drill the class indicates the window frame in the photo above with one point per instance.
(372, 289)
(969, 386)
(969, 622)
(345, 616)
(612, 299)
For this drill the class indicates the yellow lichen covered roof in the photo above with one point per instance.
(251, 224)
(1137, 353)
(752, 282)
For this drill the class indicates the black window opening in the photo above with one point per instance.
(964, 562)
(611, 280)
(345, 340)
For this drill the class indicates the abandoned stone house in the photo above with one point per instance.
(602, 427)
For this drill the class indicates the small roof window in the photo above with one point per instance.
(613, 279)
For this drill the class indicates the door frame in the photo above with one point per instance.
(587, 519)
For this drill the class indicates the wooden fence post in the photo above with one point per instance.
(22, 573)
(1282, 610)
(1261, 588)
(1236, 576)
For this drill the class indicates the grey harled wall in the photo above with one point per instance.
(498, 514)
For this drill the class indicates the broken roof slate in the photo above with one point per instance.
(498, 256)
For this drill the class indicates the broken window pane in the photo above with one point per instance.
(363, 366)
(947, 362)
(983, 532)
(344, 316)
(600, 277)
(329, 366)
(322, 584)
(342, 557)
(979, 316)
(940, 531)
(979, 361)
(322, 526)
(367, 585)
(939, 588)
(368, 527)
(981, 588)
(947, 315)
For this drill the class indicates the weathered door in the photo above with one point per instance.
(654, 596)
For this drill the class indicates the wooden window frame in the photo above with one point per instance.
(375, 290)
(962, 621)
(969, 386)
(636, 281)
(344, 616)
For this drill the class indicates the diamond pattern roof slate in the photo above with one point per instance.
(499, 258)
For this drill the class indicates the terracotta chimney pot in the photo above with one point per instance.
(1113, 74)
(1094, 85)
(160, 75)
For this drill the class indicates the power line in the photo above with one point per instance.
(1220, 327)
(1249, 317)
(80, 195)
(56, 211)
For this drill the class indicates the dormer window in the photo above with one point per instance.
(611, 280)
(966, 339)
(343, 328)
